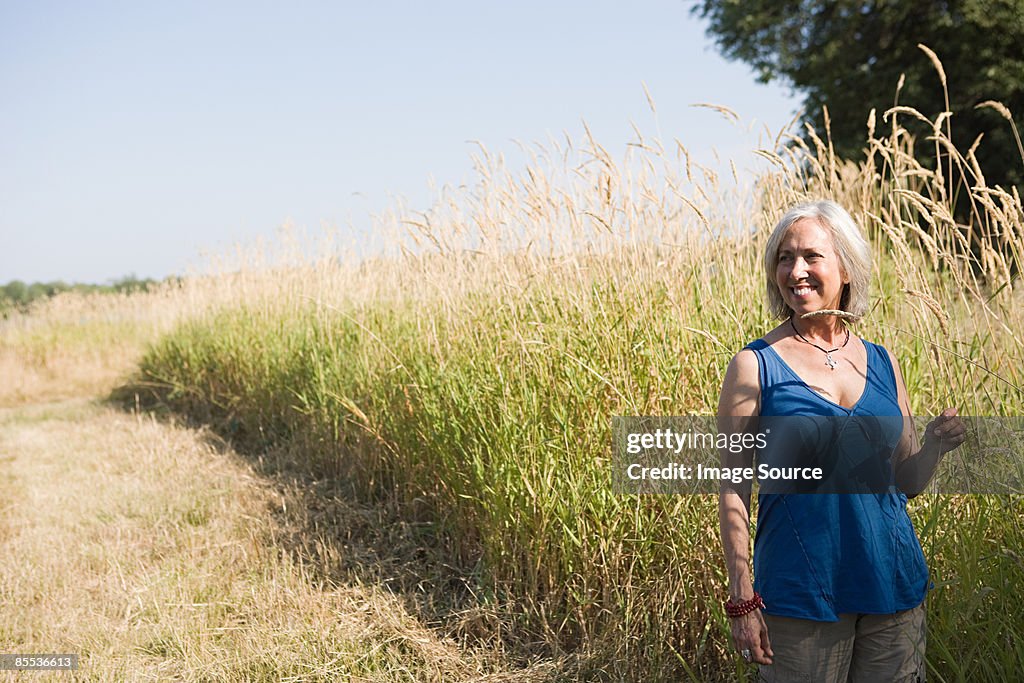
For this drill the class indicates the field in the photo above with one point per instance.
(410, 453)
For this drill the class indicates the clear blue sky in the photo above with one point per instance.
(135, 134)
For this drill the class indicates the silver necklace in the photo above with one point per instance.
(829, 360)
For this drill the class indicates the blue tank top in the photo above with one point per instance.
(817, 556)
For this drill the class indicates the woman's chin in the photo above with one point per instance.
(801, 307)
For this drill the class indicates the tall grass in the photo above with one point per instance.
(471, 375)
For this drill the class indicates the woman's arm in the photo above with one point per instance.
(915, 464)
(738, 408)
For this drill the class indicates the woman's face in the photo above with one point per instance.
(808, 273)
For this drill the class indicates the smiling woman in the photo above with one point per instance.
(839, 580)
(814, 239)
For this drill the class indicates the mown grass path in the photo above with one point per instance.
(155, 552)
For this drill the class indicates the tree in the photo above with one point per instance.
(849, 55)
(132, 283)
(16, 292)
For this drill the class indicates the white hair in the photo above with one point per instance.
(851, 248)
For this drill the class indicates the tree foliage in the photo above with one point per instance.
(849, 55)
(17, 295)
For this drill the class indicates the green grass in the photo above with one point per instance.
(494, 426)
(472, 383)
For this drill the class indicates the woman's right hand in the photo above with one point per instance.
(749, 632)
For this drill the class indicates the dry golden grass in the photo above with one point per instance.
(80, 345)
(511, 314)
(156, 553)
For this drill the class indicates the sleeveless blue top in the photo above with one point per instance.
(820, 555)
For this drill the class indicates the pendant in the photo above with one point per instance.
(830, 361)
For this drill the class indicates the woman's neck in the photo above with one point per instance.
(826, 329)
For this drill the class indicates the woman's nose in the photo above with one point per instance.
(799, 268)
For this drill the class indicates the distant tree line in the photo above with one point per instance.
(18, 295)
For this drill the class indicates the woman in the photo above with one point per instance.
(839, 580)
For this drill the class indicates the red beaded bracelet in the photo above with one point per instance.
(738, 609)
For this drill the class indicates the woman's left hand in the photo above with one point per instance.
(947, 431)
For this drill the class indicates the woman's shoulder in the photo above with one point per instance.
(741, 386)
(745, 366)
(870, 344)
(880, 350)
(747, 356)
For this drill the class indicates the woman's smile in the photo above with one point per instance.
(808, 273)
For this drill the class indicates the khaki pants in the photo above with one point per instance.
(858, 648)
